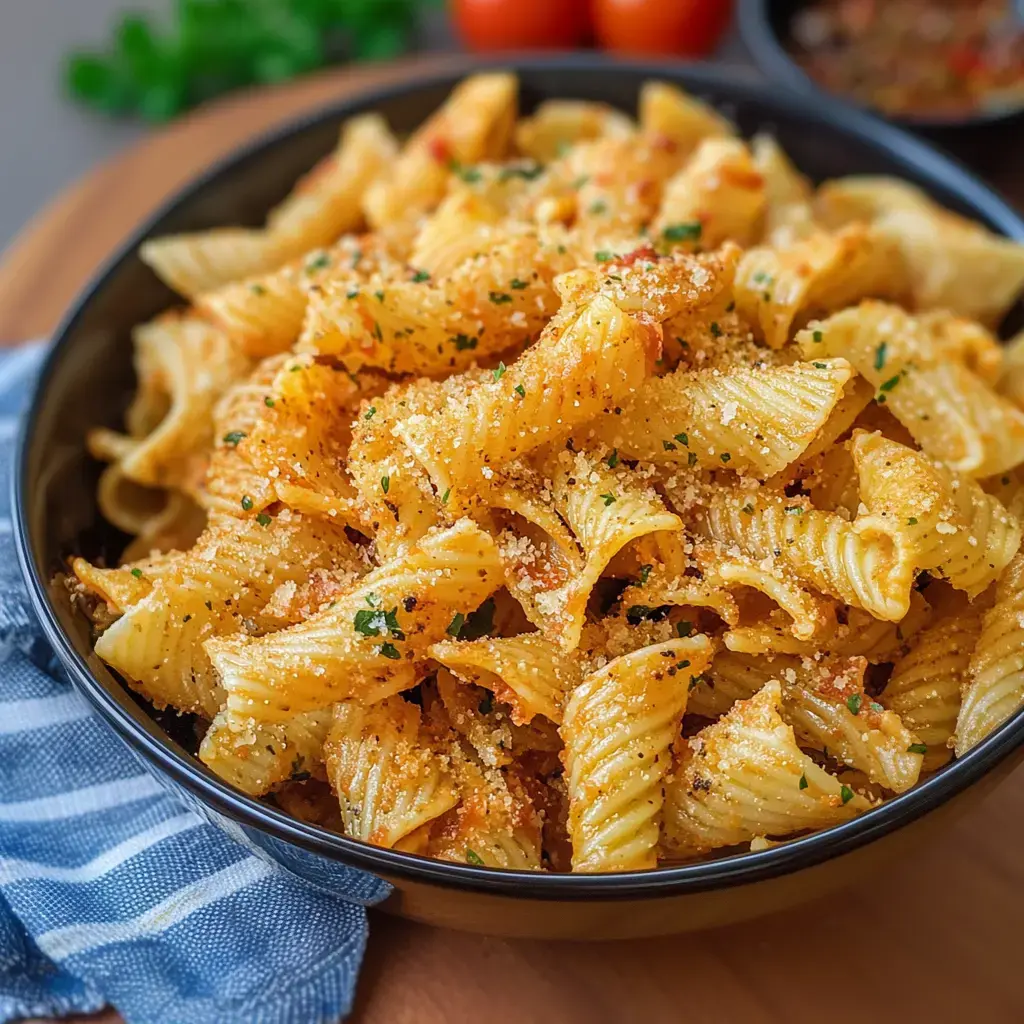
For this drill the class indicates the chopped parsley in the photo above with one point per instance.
(853, 702)
(463, 342)
(370, 413)
(246, 502)
(725, 456)
(917, 748)
(817, 336)
(257, 289)
(516, 285)
(820, 366)
(455, 626)
(697, 680)
(520, 390)
(637, 613)
(389, 650)
(645, 572)
(137, 573)
(912, 521)
(379, 296)
(880, 355)
(263, 519)
(420, 275)
(668, 446)
(691, 458)
(357, 258)
(499, 297)
(604, 256)
(375, 621)
(598, 206)
(444, 497)
(385, 483)
(234, 437)
(748, 508)
(526, 173)
(683, 439)
(803, 781)
(689, 231)
(889, 384)
(716, 331)
(499, 371)
(472, 857)
(580, 181)
(793, 510)
(318, 262)
(268, 402)
(470, 175)
(846, 794)
(607, 499)
(613, 460)
(762, 277)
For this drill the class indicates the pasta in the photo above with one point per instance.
(573, 492)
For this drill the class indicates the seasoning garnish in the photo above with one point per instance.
(608, 499)
(420, 275)
(689, 231)
(880, 355)
(455, 626)
(917, 748)
(516, 285)
(499, 297)
(803, 781)
(263, 519)
(463, 342)
(233, 437)
(385, 483)
(889, 384)
(472, 857)
(613, 460)
(499, 371)
(268, 402)
(137, 573)
(520, 390)
(389, 650)
(370, 413)
(845, 794)
(817, 336)
(853, 702)
(246, 502)
(645, 572)
(604, 256)
(683, 439)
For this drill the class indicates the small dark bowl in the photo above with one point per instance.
(87, 380)
(765, 28)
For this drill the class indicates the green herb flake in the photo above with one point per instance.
(607, 499)
(604, 256)
(748, 508)
(645, 573)
(853, 702)
(689, 231)
(499, 371)
(683, 439)
(377, 332)
(912, 521)
(613, 460)
(445, 496)
(389, 650)
(668, 446)
(598, 207)
(470, 175)
(247, 503)
(803, 781)
(580, 182)
(526, 173)
(318, 262)
(420, 275)
(137, 573)
(817, 336)
(691, 458)
(263, 519)
(762, 277)
(889, 384)
(357, 258)
(370, 413)
(793, 510)
(499, 297)
(716, 330)
(463, 342)
(880, 355)
(472, 857)
(234, 437)
(725, 456)
(516, 285)
(846, 794)
(385, 483)
(520, 390)
(455, 626)
(257, 289)
(917, 748)
(268, 402)
(820, 366)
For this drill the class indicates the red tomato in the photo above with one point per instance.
(689, 28)
(521, 24)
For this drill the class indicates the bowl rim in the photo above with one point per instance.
(774, 60)
(166, 759)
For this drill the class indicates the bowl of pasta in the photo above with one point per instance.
(586, 496)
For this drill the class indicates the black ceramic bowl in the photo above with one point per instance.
(765, 28)
(87, 380)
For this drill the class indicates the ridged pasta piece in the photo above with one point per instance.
(557, 125)
(779, 288)
(953, 527)
(368, 641)
(864, 563)
(745, 777)
(751, 420)
(857, 395)
(399, 505)
(954, 263)
(302, 437)
(389, 777)
(618, 729)
(471, 712)
(530, 673)
(952, 413)
(926, 683)
(220, 586)
(606, 508)
(788, 212)
(258, 758)
(495, 824)
(465, 224)
(496, 300)
(719, 189)
(583, 364)
(195, 363)
(474, 123)
(995, 685)
(327, 202)
(667, 112)
(230, 474)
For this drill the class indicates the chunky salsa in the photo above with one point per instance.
(914, 57)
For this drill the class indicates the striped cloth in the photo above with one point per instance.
(111, 891)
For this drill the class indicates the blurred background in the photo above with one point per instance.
(80, 79)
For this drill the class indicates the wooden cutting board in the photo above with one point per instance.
(938, 936)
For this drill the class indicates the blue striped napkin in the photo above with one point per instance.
(111, 891)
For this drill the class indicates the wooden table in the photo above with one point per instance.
(936, 938)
